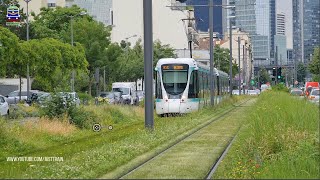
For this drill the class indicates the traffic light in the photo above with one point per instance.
(274, 71)
(279, 73)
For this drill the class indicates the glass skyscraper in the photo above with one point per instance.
(202, 15)
(258, 18)
(306, 24)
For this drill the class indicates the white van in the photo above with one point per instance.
(128, 91)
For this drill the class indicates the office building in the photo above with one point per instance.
(202, 15)
(306, 28)
(100, 10)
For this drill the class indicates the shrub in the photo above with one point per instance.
(59, 106)
(280, 87)
(81, 118)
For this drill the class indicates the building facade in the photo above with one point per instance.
(306, 28)
(246, 59)
(202, 15)
(258, 18)
(168, 24)
(100, 10)
(226, 14)
(280, 41)
(281, 24)
(35, 6)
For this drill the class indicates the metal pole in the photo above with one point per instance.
(104, 79)
(230, 61)
(211, 52)
(73, 72)
(28, 73)
(239, 65)
(243, 75)
(148, 64)
(276, 58)
(190, 46)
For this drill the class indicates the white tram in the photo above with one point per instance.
(183, 86)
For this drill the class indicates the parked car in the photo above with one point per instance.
(43, 99)
(4, 106)
(34, 97)
(14, 97)
(128, 91)
(253, 92)
(297, 92)
(108, 97)
(73, 96)
(235, 92)
(118, 97)
(314, 95)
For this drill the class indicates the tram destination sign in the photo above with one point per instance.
(175, 67)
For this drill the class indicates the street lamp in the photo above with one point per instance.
(28, 76)
(71, 24)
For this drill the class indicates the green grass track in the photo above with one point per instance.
(193, 157)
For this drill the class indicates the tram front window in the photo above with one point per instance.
(175, 82)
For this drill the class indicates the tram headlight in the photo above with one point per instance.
(165, 97)
(183, 98)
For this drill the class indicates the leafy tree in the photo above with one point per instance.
(222, 60)
(50, 23)
(56, 62)
(131, 62)
(9, 50)
(314, 65)
(162, 51)
(264, 76)
(301, 72)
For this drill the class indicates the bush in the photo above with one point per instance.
(58, 107)
(84, 96)
(81, 118)
(280, 87)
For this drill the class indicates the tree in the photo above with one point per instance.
(51, 22)
(301, 72)
(222, 60)
(314, 65)
(264, 76)
(9, 50)
(56, 61)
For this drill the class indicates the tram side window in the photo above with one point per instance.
(193, 85)
(158, 87)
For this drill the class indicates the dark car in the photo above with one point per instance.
(108, 97)
(34, 97)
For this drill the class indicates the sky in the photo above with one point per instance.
(285, 6)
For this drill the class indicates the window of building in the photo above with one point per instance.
(51, 4)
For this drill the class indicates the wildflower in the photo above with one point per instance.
(257, 165)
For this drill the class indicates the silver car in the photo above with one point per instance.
(314, 95)
(4, 106)
(14, 97)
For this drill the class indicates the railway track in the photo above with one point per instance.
(185, 138)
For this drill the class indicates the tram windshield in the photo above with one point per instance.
(175, 82)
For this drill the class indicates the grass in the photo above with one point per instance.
(193, 157)
(280, 140)
(88, 154)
